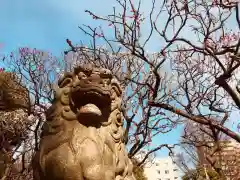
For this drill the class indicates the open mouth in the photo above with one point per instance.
(90, 102)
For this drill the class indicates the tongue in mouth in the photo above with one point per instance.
(90, 109)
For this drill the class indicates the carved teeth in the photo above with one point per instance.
(92, 92)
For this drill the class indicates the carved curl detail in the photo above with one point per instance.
(82, 138)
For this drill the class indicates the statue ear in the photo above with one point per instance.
(65, 80)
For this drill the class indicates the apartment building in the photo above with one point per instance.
(162, 169)
(228, 158)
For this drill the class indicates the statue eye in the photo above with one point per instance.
(106, 74)
(88, 71)
(82, 75)
(106, 81)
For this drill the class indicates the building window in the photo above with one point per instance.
(175, 177)
(167, 178)
(166, 171)
(158, 171)
(157, 164)
(175, 169)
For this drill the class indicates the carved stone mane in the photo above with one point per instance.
(82, 138)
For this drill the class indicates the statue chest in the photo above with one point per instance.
(89, 140)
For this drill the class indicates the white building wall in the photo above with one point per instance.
(162, 169)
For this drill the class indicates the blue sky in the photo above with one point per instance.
(46, 24)
(41, 24)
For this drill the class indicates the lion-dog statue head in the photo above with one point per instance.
(82, 138)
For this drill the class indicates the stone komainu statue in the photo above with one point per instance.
(82, 138)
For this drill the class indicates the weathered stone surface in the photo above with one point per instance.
(82, 138)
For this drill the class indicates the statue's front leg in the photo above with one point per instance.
(59, 164)
(92, 162)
